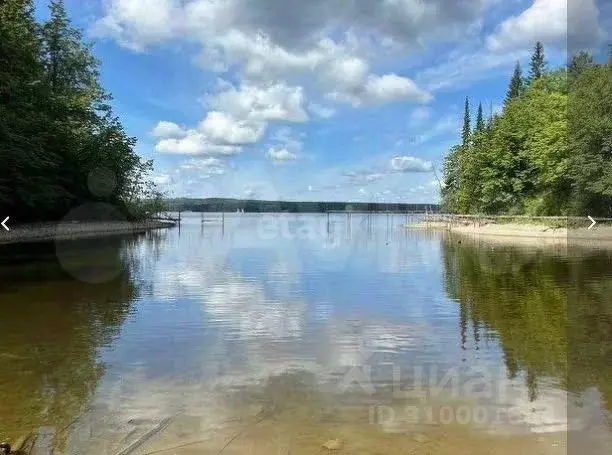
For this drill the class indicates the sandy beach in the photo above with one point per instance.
(67, 231)
(526, 234)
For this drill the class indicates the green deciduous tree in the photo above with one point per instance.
(549, 152)
(451, 180)
(56, 126)
(590, 132)
(578, 64)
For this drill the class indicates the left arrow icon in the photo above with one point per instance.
(4, 224)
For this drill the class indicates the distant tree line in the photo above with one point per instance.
(549, 152)
(253, 205)
(60, 143)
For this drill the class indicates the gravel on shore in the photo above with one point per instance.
(40, 232)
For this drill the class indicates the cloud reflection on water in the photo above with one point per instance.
(267, 308)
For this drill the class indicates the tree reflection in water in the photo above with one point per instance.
(552, 313)
(54, 326)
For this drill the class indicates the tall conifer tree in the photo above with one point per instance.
(537, 66)
(516, 84)
(466, 131)
(480, 124)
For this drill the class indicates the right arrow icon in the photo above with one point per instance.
(593, 222)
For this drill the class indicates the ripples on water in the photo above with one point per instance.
(318, 327)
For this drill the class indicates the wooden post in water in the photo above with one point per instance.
(348, 226)
(348, 216)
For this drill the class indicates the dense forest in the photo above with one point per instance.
(252, 205)
(549, 152)
(61, 146)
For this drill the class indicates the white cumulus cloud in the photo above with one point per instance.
(273, 102)
(223, 128)
(238, 117)
(274, 41)
(391, 87)
(166, 129)
(553, 22)
(195, 143)
(410, 164)
(294, 25)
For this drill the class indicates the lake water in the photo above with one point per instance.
(276, 333)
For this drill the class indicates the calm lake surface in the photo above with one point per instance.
(279, 332)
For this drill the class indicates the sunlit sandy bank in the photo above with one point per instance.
(525, 234)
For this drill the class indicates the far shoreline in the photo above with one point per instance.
(56, 231)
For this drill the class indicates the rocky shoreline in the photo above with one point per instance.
(41, 232)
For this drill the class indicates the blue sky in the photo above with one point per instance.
(353, 100)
